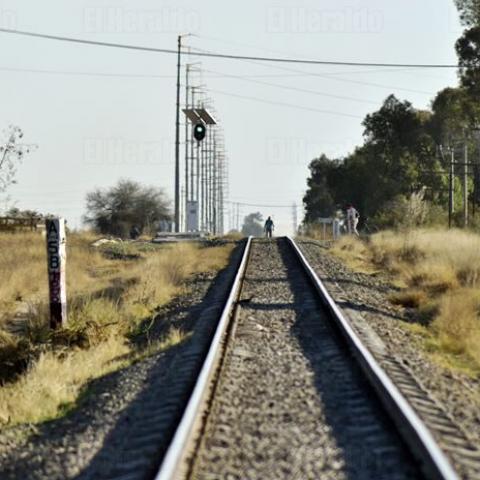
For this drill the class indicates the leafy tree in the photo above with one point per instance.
(398, 158)
(253, 225)
(116, 210)
(318, 200)
(451, 115)
(17, 213)
(469, 11)
(399, 163)
(395, 126)
(468, 51)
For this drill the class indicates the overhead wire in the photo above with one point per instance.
(342, 72)
(329, 77)
(284, 104)
(223, 55)
(259, 205)
(296, 89)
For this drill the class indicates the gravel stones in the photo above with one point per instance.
(291, 403)
(367, 295)
(123, 426)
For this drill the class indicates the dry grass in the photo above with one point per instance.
(354, 253)
(109, 297)
(23, 270)
(409, 298)
(54, 382)
(440, 275)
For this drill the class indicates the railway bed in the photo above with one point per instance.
(289, 390)
(276, 380)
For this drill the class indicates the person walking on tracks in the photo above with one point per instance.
(269, 227)
(352, 220)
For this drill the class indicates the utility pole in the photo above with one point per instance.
(202, 184)
(294, 218)
(197, 167)
(187, 140)
(210, 177)
(192, 157)
(215, 186)
(182, 210)
(206, 196)
(238, 217)
(451, 185)
(465, 188)
(476, 170)
(177, 144)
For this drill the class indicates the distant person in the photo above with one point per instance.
(134, 232)
(352, 220)
(269, 227)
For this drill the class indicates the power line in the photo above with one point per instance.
(218, 75)
(296, 89)
(330, 76)
(259, 205)
(222, 55)
(284, 104)
(276, 51)
(93, 74)
(153, 75)
(139, 75)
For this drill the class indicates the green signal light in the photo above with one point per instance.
(199, 132)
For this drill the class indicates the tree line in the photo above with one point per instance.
(401, 155)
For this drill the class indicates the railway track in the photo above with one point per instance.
(291, 390)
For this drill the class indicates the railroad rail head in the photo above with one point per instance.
(177, 461)
(176, 457)
(420, 440)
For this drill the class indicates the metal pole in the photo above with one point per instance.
(199, 225)
(186, 145)
(465, 189)
(192, 191)
(177, 144)
(238, 217)
(476, 180)
(195, 160)
(450, 188)
(206, 160)
(209, 179)
(182, 210)
(202, 183)
(214, 189)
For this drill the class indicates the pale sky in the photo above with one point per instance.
(93, 128)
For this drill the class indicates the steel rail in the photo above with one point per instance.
(175, 454)
(419, 438)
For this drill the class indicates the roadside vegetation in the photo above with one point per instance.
(438, 275)
(408, 150)
(111, 289)
(398, 179)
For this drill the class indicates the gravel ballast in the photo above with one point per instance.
(291, 403)
(123, 426)
(457, 395)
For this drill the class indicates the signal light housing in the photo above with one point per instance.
(199, 131)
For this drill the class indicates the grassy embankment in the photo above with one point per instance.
(111, 291)
(438, 273)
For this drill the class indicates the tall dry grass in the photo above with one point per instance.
(439, 272)
(23, 268)
(108, 298)
(53, 383)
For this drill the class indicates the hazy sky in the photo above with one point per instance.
(93, 127)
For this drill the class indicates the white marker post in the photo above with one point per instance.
(57, 256)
